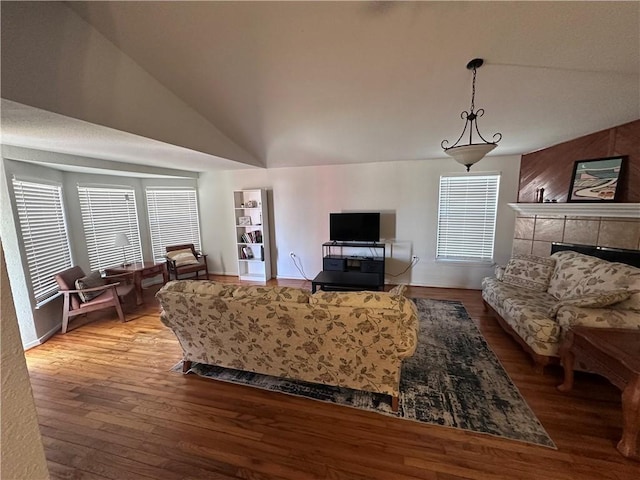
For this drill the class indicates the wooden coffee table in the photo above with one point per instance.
(140, 270)
(615, 354)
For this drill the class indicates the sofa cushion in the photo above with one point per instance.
(276, 294)
(183, 257)
(529, 271)
(94, 279)
(496, 293)
(365, 299)
(532, 323)
(592, 300)
(207, 287)
(577, 275)
(610, 317)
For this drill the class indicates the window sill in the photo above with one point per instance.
(454, 262)
(47, 300)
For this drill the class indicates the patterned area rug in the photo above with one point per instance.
(453, 380)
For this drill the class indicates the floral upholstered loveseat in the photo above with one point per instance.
(537, 299)
(347, 339)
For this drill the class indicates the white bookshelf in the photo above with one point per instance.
(253, 252)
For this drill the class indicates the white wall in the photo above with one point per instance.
(22, 452)
(301, 199)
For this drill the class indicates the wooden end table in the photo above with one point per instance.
(615, 354)
(140, 270)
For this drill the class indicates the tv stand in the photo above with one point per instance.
(344, 269)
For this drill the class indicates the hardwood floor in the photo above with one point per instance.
(109, 407)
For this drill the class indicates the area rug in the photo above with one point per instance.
(453, 380)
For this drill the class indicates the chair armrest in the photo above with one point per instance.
(92, 289)
(170, 262)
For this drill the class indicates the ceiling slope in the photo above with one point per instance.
(309, 83)
(54, 61)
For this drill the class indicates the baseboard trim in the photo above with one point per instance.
(43, 338)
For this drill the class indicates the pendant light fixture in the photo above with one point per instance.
(471, 153)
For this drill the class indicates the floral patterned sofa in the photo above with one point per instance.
(536, 299)
(347, 339)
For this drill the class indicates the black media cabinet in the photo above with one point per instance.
(342, 271)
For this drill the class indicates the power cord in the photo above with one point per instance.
(299, 267)
(414, 261)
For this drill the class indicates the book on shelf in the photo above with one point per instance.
(252, 237)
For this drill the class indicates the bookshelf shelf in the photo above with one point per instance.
(252, 234)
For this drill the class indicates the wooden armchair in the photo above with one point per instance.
(78, 301)
(182, 259)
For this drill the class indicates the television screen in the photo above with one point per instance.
(354, 227)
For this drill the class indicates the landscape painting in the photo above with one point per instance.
(596, 180)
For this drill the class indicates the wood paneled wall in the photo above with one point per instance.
(552, 167)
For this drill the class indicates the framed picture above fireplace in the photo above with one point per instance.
(597, 180)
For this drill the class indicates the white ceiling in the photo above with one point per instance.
(311, 83)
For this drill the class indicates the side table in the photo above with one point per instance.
(614, 354)
(140, 270)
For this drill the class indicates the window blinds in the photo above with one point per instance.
(173, 218)
(105, 212)
(467, 217)
(44, 234)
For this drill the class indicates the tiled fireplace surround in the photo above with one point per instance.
(534, 233)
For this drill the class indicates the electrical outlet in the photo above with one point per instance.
(414, 258)
(292, 255)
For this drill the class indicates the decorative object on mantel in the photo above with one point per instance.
(471, 153)
(539, 195)
(579, 209)
(596, 180)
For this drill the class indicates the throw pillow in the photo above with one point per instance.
(593, 300)
(499, 272)
(94, 279)
(529, 271)
(183, 257)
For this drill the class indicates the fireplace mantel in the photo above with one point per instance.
(621, 210)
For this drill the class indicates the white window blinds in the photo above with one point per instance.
(467, 217)
(107, 211)
(44, 234)
(173, 218)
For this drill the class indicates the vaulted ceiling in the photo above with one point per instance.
(277, 84)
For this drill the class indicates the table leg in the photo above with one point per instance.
(137, 281)
(165, 274)
(313, 287)
(628, 445)
(567, 359)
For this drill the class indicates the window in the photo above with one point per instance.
(44, 234)
(107, 211)
(173, 218)
(467, 217)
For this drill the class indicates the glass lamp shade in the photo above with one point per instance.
(121, 240)
(467, 155)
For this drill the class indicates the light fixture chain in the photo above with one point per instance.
(473, 91)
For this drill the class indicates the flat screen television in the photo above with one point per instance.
(354, 227)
